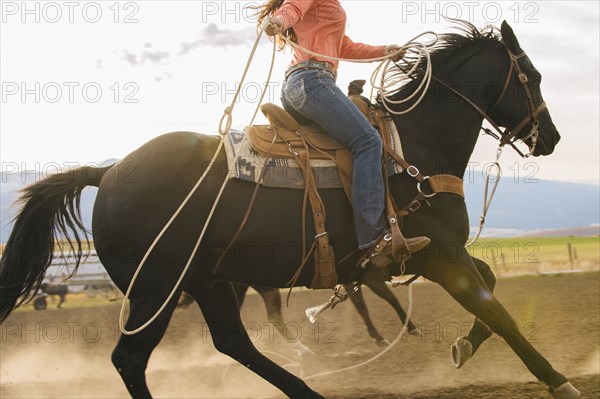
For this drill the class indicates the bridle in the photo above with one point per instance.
(509, 136)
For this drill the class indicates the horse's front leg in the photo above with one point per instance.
(465, 347)
(460, 278)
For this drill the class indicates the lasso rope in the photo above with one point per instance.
(227, 118)
(383, 352)
(223, 132)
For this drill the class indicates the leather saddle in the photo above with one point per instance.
(284, 137)
(289, 132)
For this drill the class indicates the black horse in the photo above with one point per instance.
(137, 197)
(56, 289)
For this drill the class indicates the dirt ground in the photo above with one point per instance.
(66, 353)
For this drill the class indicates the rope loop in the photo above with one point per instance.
(226, 114)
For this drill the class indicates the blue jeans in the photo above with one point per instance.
(311, 95)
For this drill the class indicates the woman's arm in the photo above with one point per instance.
(359, 51)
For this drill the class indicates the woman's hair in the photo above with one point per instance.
(267, 10)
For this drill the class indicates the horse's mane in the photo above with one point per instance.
(446, 46)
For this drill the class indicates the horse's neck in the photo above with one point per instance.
(439, 136)
(440, 141)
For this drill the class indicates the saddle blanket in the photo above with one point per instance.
(246, 164)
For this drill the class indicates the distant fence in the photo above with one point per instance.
(535, 255)
(90, 278)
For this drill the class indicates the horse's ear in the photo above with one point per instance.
(508, 36)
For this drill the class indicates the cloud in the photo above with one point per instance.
(157, 57)
(212, 35)
(165, 76)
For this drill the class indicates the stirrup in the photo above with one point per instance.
(380, 254)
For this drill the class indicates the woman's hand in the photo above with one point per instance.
(391, 49)
(273, 26)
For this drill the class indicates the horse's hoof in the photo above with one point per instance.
(414, 331)
(382, 343)
(565, 391)
(461, 351)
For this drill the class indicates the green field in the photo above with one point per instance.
(511, 256)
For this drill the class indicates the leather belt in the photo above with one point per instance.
(311, 65)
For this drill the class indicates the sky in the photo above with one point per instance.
(82, 82)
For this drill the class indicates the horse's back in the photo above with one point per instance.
(138, 195)
(162, 157)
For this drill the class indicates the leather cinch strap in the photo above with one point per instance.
(447, 184)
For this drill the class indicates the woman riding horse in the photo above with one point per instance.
(309, 94)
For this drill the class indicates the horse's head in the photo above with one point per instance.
(521, 107)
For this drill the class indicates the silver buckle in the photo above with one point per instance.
(414, 206)
(413, 174)
(421, 192)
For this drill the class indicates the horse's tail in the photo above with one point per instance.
(50, 215)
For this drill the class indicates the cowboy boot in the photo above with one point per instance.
(381, 253)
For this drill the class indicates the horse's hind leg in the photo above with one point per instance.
(130, 356)
(220, 308)
(464, 283)
(361, 306)
(381, 289)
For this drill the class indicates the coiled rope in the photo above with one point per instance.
(390, 83)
